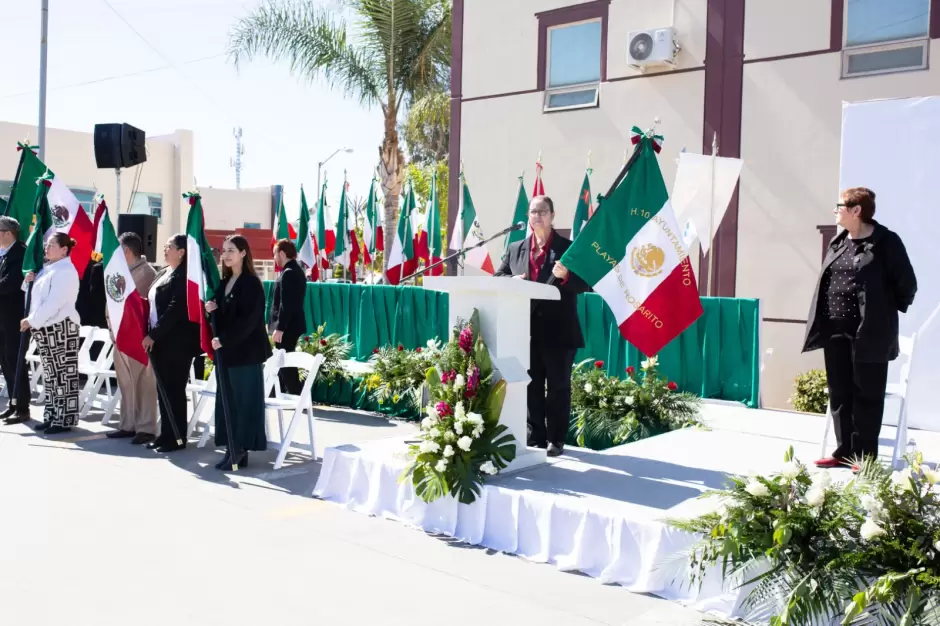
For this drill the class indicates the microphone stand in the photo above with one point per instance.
(463, 251)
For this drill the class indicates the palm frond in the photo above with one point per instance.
(313, 42)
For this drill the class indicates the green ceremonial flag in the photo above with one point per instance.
(306, 245)
(521, 214)
(584, 210)
(3, 206)
(22, 202)
(43, 227)
(282, 227)
(432, 230)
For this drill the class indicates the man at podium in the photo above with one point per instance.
(555, 330)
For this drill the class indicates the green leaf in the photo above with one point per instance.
(494, 403)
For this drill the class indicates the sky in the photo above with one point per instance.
(173, 73)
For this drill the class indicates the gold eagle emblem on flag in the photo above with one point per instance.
(647, 260)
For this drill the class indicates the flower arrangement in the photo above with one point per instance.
(334, 348)
(810, 392)
(400, 373)
(867, 550)
(610, 411)
(461, 439)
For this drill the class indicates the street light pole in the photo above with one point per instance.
(324, 161)
(43, 58)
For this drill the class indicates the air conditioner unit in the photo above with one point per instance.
(657, 47)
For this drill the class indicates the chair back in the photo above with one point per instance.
(269, 373)
(307, 363)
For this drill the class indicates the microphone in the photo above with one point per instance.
(511, 229)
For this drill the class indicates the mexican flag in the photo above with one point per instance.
(282, 227)
(42, 226)
(538, 189)
(585, 208)
(467, 232)
(201, 271)
(127, 310)
(432, 247)
(101, 209)
(307, 252)
(631, 253)
(373, 234)
(70, 218)
(347, 243)
(22, 201)
(402, 260)
(521, 214)
(326, 236)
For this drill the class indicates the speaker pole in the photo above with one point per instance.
(43, 71)
(117, 180)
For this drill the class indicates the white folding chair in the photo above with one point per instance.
(301, 405)
(34, 362)
(893, 390)
(203, 399)
(99, 371)
(207, 395)
(196, 384)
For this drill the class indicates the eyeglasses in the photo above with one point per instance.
(539, 213)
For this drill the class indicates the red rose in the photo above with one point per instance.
(401, 348)
(323, 342)
(598, 364)
(417, 349)
(672, 386)
(630, 370)
(375, 350)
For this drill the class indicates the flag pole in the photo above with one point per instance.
(222, 381)
(711, 218)
(166, 403)
(21, 352)
(43, 73)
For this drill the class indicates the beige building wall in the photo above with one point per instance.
(228, 209)
(790, 136)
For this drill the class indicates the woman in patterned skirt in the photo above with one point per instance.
(242, 342)
(55, 324)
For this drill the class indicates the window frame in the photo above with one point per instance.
(894, 44)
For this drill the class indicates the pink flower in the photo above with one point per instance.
(445, 377)
(443, 409)
(466, 340)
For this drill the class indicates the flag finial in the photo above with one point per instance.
(589, 170)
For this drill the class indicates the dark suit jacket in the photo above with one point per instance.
(240, 322)
(885, 285)
(554, 322)
(91, 304)
(173, 331)
(12, 297)
(287, 311)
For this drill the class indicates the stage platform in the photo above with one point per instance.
(600, 513)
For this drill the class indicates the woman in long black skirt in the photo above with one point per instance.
(242, 342)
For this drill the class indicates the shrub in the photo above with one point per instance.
(810, 392)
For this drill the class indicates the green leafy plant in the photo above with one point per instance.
(462, 441)
(610, 411)
(813, 550)
(334, 348)
(398, 373)
(810, 392)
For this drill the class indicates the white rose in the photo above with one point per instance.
(441, 466)
(460, 413)
(449, 436)
(464, 443)
(477, 431)
(629, 400)
(816, 496)
(459, 382)
(757, 489)
(433, 415)
(426, 423)
(822, 479)
(488, 468)
(870, 530)
(434, 433)
(474, 418)
(790, 470)
(588, 388)
(936, 546)
(429, 447)
(458, 428)
(932, 476)
(448, 451)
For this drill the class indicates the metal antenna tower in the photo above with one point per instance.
(237, 161)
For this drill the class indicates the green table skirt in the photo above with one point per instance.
(717, 357)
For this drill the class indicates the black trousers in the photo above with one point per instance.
(856, 399)
(172, 372)
(9, 351)
(288, 376)
(549, 410)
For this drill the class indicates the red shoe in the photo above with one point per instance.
(856, 468)
(829, 463)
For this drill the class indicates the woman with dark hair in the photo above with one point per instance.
(288, 321)
(173, 342)
(55, 324)
(866, 280)
(243, 344)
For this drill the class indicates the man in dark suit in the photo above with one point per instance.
(288, 320)
(555, 328)
(12, 301)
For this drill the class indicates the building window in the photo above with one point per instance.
(5, 187)
(883, 37)
(148, 204)
(86, 198)
(572, 61)
(255, 225)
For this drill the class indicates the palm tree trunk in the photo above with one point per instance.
(392, 174)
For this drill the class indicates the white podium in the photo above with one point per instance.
(504, 306)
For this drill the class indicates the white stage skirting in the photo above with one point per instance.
(600, 513)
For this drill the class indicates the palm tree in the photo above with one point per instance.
(398, 51)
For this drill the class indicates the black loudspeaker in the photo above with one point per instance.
(119, 145)
(146, 228)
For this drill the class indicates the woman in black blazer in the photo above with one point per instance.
(173, 342)
(288, 322)
(243, 342)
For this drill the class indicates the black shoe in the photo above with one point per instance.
(532, 443)
(171, 447)
(226, 465)
(556, 449)
(156, 443)
(120, 434)
(57, 430)
(142, 438)
(22, 418)
(10, 412)
(42, 426)
(226, 460)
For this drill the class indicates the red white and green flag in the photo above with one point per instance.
(432, 244)
(402, 260)
(127, 310)
(100, 210)
(585, 206)
(467, 232)
(202, 273)
(326, 236)
(347, 243)
(70, 218)
(520, 215)
(538, 189)
(282, 227)
(373, 233)
(631, 253)
(42, 226)
(307, 250)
